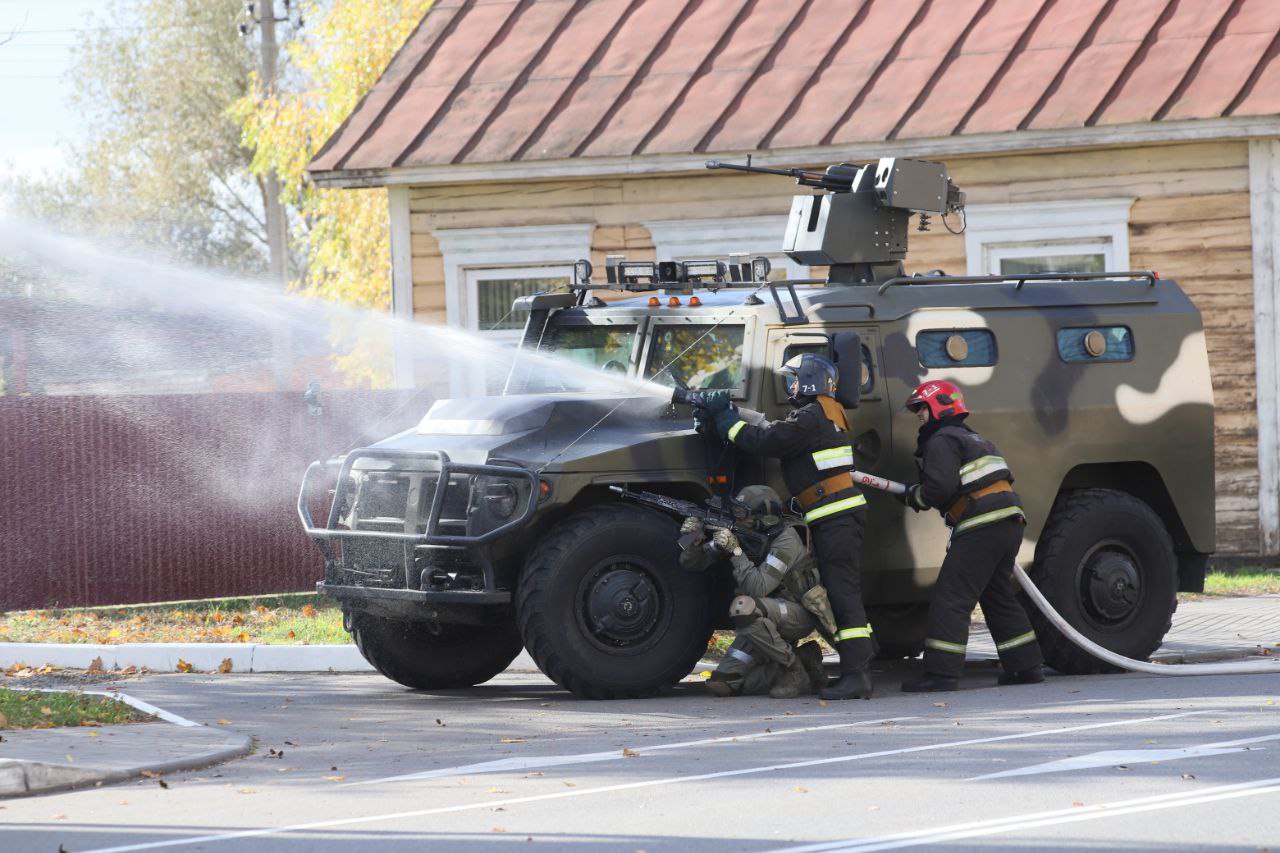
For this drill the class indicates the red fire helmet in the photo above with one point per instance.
(944, 399)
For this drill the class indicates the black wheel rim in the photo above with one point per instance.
(623, 606)
(1110, 587)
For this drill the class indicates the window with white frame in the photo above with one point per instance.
(691, 239)
(1084, 235)
(485, 269)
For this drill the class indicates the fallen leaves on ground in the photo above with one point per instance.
(496, 790)
(801, 790)
(512, 740)
(192, 623)
(224, 722)
(225, 666)
(629, 753)
(95, 665)
(183, 666)
(336, 778)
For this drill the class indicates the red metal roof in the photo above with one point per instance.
(486, 81)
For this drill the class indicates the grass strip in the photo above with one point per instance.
(26, 709)
(290, 619)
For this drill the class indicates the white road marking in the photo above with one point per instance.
(1112, 757)
(1035, 820)
(628, 786)
(132, 701)
(537, 762)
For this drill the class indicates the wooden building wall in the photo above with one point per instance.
(1189, 221)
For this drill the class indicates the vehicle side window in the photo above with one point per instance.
(696, 356)
(956, 348)
(868, 368)
(1095, 343)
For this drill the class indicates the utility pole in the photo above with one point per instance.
(263, 13)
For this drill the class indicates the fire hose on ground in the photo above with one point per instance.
(1270, 665)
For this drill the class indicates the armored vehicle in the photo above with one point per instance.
(492, 525)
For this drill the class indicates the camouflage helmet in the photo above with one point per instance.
(763, 503)
(816, 375)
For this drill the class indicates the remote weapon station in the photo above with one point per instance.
(504, 521)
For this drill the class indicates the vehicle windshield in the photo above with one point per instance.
(588, 348)
(696, 356)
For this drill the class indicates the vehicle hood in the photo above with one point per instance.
(559, 432)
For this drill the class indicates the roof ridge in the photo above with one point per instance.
(947, 59)
(761, 67)
(520, 80)
(1194, 68)
(1085, 41)
(885, 62)
(997, 77)
(744, 12)
(654, 52)
(584, 73)
(818, 70)
(464, 81)
(1171, 6)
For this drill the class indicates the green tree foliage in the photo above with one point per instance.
(161, 165)
(343, 50)
(337, 58)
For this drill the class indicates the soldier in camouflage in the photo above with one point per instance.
(815, 448)
(778, 603)
(963, 475)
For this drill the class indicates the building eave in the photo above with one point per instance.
(1021, 141)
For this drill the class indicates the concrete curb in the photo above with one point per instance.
(203, 657)
(20, 777)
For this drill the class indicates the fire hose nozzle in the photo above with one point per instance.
(685, 397)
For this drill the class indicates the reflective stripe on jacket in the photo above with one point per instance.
(811, 449)
(956, 461)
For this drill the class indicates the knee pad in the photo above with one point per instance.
(743, 605)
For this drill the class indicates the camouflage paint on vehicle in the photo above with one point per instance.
(1141, 425)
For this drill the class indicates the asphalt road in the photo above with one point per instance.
(1128, 761)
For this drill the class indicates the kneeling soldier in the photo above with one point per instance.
(770, 611)
(963, 475)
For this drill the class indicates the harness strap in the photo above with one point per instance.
(962, 503)
(822, 488)
(834, 412)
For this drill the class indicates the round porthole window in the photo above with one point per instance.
(1095, 343)
(957, 348)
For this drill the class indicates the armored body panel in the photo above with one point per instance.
(497, 512)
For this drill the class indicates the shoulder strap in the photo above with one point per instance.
(834, 412)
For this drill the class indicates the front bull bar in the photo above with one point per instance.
(430, 535)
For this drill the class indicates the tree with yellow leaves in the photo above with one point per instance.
(341, 233)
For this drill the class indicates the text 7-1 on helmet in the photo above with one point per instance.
(817, 376)
(944, 399)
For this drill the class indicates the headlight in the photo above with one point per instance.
(500, 498)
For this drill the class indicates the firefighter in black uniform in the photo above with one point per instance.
(816, 451)
(963, 475)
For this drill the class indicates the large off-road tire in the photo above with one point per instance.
(605, 609)
(427, 656)
(1106, 564)
(899, 629)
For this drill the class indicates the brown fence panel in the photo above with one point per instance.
(115, 500)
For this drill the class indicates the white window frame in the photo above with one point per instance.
(688, 239)
(472, 253)
(1028, 229)
(474, 275)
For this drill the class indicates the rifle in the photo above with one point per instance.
(713, 514)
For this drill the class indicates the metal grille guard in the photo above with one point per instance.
(448, 468)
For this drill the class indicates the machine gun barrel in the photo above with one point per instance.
(803, 176)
